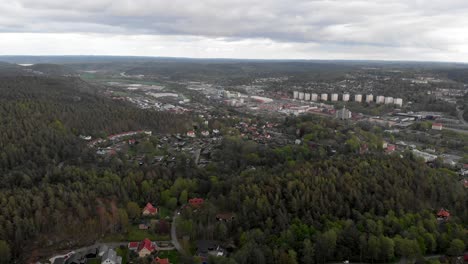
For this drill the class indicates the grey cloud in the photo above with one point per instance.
(400, 23)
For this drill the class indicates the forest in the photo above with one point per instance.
(292, 204)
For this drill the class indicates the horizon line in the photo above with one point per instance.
(239, 59)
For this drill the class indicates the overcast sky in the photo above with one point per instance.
(267, 29)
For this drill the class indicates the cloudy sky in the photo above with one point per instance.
(295, 29)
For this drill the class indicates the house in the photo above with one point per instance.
(158, 260)
(205, 133)
(149, 210)
(191, 134)
(133, 246)
(443, 215)
(226, 217)
(196, 202)
(77, 258)
(102, 250)
(215, 131)
(206, 248)
(143, 226)
(145, 248)
(87, 138)
(390, 148)
(110, 257)
(131, 141)
(437, 126)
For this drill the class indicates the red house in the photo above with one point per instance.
(191, 133)
(158, 260)
(149, 210)
(437, 126)
(145, 248)
(196, 202)
(443, 214)
(133, 245)
(390, 148)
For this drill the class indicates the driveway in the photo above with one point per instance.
(175, 241)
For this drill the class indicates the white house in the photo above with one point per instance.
(110, 257)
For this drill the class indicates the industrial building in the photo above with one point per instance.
(346, 97)
(388, 100)
(334, 97)
(343, 114)
(380, 99)
(261, 99)
(398, 101)
(358, 98)
(301, 96)
(314, 97)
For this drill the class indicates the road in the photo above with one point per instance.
(460, 115)
(174, 239)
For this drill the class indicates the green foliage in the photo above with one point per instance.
(457, 247)
(5, 252)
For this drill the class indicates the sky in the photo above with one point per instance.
(420, 30)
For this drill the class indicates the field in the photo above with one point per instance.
(173, 255)
(135, 234)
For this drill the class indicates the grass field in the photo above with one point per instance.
(172, 255)
(164, 212)
(135, 234)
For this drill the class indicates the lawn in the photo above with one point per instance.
(172, 255)
(123, 253)
(135, 234)
(164, 212)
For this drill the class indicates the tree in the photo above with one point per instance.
(308, 252)
(387, 248)
(133, 210)
(292, 256)
(172, 203)
(457, 247)
(5, 253)
(373, 248)
(407, 248)
(183, 197)
(326, 243)
(123, 220)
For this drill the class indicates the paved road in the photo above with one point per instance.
(460, 115)
(175, 241)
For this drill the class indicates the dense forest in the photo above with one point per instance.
(292, 204)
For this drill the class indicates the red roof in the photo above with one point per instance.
(443, 213)
(161, 261)
(133, 245)
(196, 201)
(150, 208)
(146, 243)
